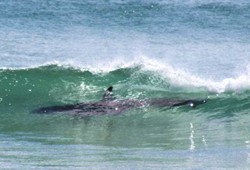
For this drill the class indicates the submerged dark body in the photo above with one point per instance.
(112, 106)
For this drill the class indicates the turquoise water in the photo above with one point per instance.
(65, 52)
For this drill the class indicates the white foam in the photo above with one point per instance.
(184, 78)
(176, 76)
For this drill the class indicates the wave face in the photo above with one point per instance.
(179, 131)
(26, 89)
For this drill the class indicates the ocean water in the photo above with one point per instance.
(63, 52)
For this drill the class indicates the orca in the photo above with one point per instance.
(109, 105)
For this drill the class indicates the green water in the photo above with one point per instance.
(213, 135)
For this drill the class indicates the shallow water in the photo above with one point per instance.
(65, 52)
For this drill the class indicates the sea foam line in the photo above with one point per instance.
(184, 78)
(176, 76)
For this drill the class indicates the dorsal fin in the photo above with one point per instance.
(110, 89)
(108, 94)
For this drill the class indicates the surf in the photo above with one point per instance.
(56, 85)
